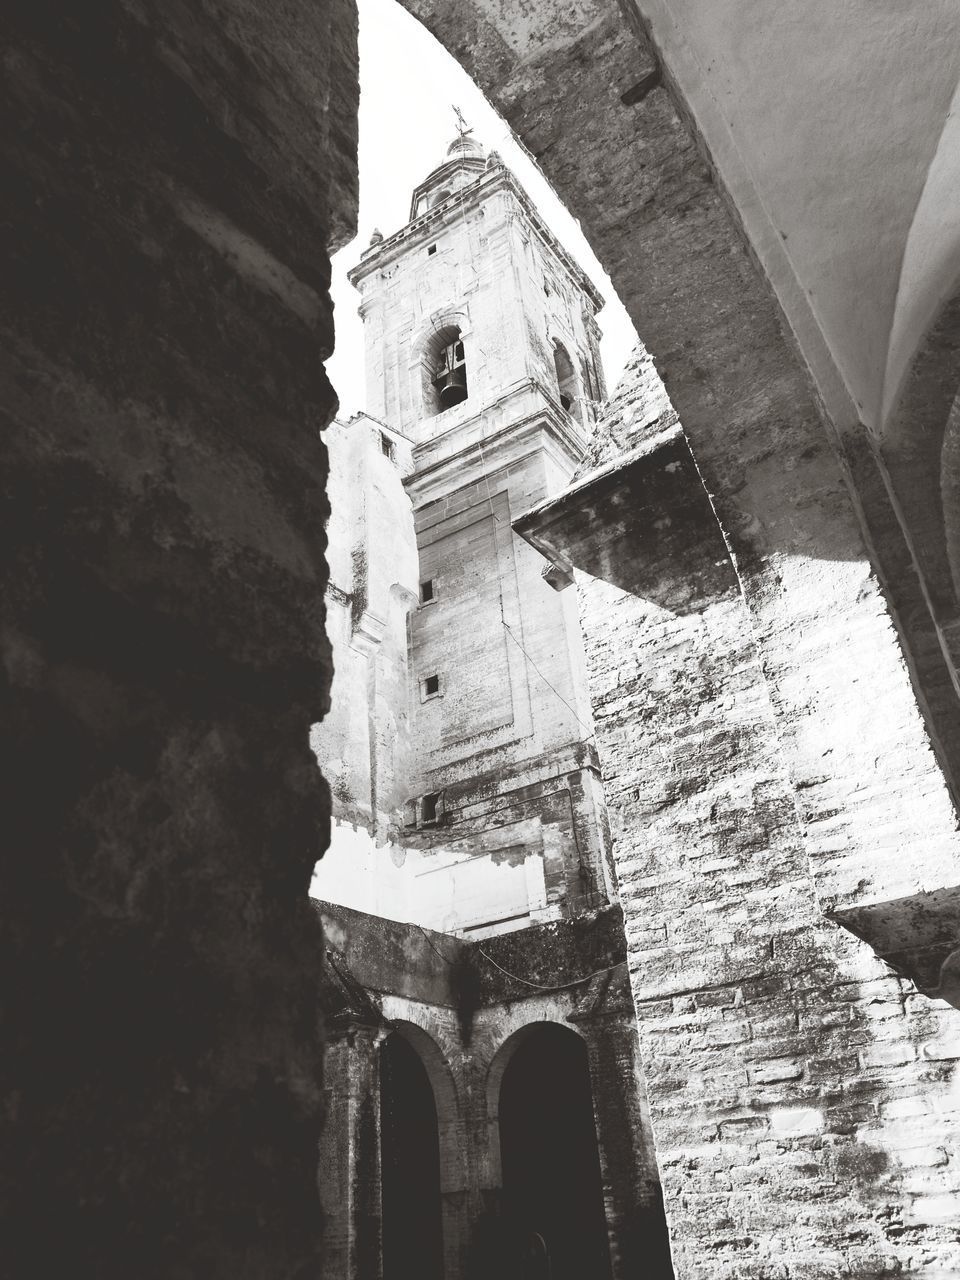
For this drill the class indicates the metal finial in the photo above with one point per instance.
(462, 127)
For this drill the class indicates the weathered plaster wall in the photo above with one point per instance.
(362, 743)
(173, 179)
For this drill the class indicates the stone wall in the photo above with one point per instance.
(803, 1098)
(465, 1008)
(173, 179)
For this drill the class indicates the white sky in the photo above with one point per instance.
(408, 82)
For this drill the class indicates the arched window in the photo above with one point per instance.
(444, 371)
(566, 379)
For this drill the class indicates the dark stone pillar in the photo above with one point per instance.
(350, 1157)
(173, 176)
(633, 1199)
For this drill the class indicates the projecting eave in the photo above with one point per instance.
(918, 936)
(644, 523)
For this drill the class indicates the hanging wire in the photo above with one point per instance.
(540, 986)
(587, 729)
(515, 977)
(434, 947)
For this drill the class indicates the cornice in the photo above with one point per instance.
(426, 226)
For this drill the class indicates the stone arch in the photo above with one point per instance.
(453, 1172)
(566, 375)
(930, 268)
(552, 1198)
(411, 1204)
(501, 1059)
(495, 1072)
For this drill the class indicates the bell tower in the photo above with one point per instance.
(482, 350)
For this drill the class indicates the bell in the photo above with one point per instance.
(453, 387)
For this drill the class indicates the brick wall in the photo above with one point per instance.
(802, 1097)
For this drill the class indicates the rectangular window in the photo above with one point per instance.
(427, 591)
(431, 250)
(430, 808)
(430, 687)
(386, 446)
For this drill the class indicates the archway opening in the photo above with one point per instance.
(552, 1187)
(410, 1166)
(444, 366)
(566, 379)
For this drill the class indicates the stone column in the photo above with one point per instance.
(173, 177)
(349, 1172)
(633, 1200)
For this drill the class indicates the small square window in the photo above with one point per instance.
(386, 446)
(431, 250)
(430, 687)
(428, 591)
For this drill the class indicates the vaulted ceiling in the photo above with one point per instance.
(837, 131)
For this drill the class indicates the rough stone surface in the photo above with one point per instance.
(779, 1054)
(409, 981)
(173, 177)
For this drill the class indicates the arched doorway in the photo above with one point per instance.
(553, 1195)
(410, 1165)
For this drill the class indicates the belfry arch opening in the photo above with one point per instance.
(444, 370)
(566, 379)
(412, 1231)
(552, 1187)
